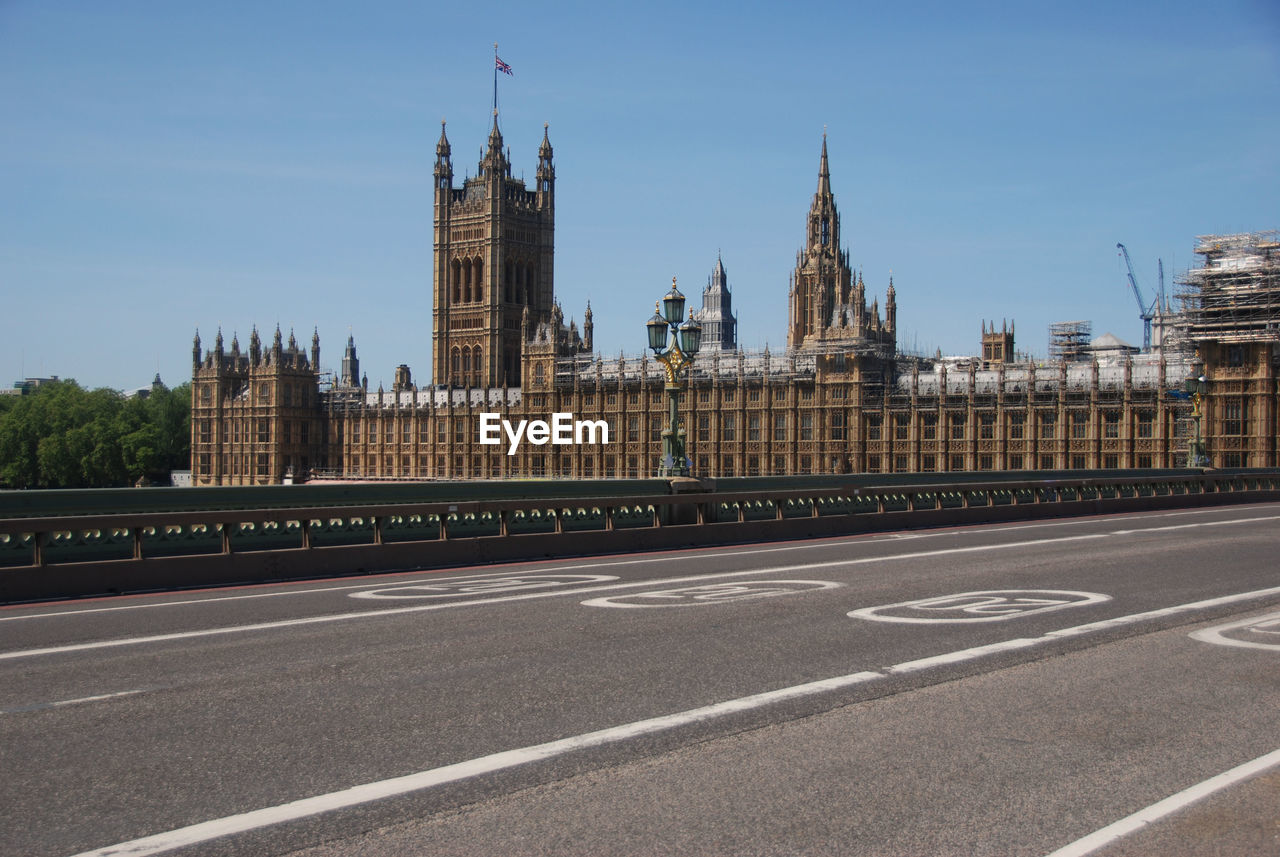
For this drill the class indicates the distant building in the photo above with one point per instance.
(1109, 348)
(156, 386)
(28, 385)
(839, 399)
(719, 324)
(1230, 315)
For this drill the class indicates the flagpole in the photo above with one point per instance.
(495, 80)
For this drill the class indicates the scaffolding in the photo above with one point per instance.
(1069, 340)
(1235, 295)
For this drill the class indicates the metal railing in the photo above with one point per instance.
(145, 549)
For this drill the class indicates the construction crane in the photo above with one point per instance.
(1147, 311)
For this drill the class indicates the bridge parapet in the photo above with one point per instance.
(46, 556)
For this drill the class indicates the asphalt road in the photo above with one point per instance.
(1003, 690)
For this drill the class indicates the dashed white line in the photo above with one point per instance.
(41, 706)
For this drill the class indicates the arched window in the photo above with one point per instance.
(478, 293)
(466, 281)
(477, 366)
(508, 287)
(466, 360)
(455, 279)
(456, 364)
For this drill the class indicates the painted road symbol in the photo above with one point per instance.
(712, 593)
(471, 586)
(1260, 632)
(986, 606)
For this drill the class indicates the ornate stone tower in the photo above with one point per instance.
(997, 345)
(255, 417)
(494, 247)
(719, 324)
(827, 306)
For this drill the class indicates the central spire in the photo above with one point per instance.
(495, 137)
(824, 172)
(494, 163)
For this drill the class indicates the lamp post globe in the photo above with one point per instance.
(673, 305)
(658, 330)
(690, 336)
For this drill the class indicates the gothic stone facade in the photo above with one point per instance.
(840, 400)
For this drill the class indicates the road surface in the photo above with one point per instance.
(1016, 689)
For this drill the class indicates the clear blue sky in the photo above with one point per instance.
(171, 166)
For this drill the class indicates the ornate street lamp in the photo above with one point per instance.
(685, 340)
(1196, 385)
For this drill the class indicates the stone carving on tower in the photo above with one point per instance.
(827, 306)
(494, 242)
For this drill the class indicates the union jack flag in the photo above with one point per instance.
(501, 66)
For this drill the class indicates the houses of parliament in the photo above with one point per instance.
(841, 398)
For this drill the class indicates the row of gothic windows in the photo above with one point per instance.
(466, 278)
(466, 363)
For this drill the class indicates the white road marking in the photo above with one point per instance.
(679, 556)
(255, 819)
(1262, 625)
(419, 608)
(215, 599)
(1168, 806)
(1195, 525)
(469, 586)
(994, 605)
(205, 831)
(710, 594)
(41, 706)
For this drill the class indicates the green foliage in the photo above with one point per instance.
(63, 436)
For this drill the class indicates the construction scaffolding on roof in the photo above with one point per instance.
(1235, 295)
(1069, 340)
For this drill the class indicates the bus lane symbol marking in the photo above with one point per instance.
(996, 605)
(1260, 632)
(472, 586)
(712, 593)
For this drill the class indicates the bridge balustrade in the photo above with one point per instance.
(75, 554)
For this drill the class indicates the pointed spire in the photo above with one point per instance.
(824, 171)
(442, 147)
(493, 165)
(495, 138)
(718, 277)
(544, 151)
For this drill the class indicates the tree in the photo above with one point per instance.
(63, 436)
